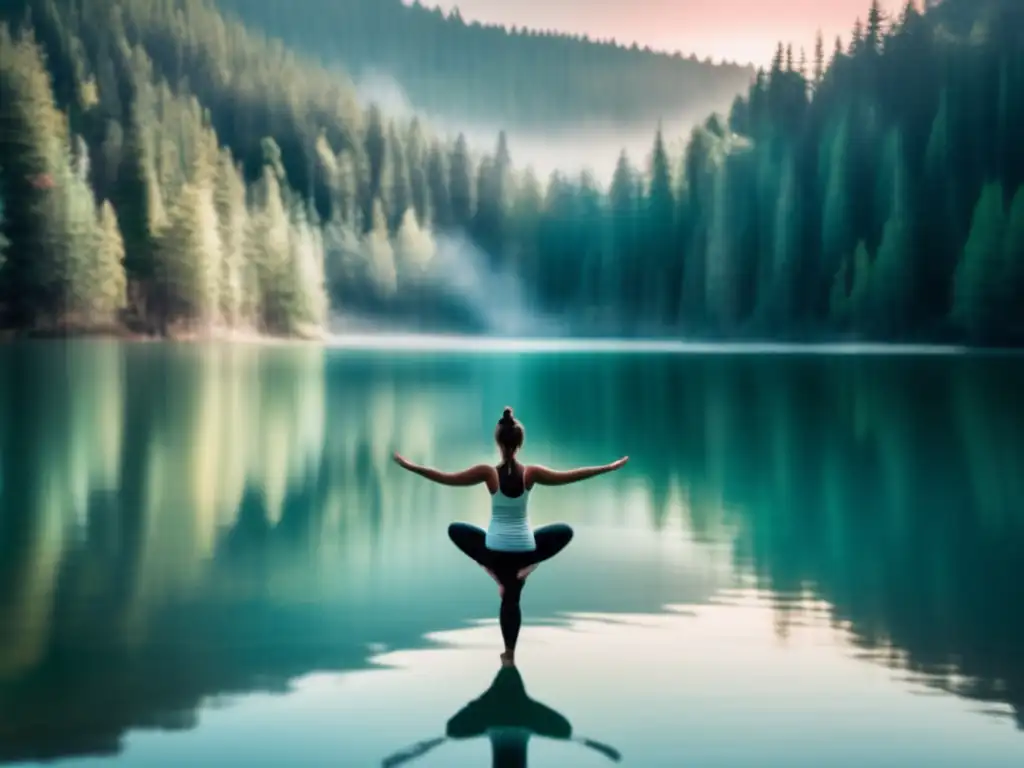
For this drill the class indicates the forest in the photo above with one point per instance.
(470, 71)
(164, 167)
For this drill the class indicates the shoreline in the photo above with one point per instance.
(126, 334)
(413, 342)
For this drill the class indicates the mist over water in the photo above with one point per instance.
(448, 270)
(592, 147)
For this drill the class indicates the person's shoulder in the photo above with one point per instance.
(489, 474)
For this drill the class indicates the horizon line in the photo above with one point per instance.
(432, 342)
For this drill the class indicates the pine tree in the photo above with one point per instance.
(76, 226)
(837, 228)
(33, 154)
(460, 184)
(236, 308)
(400, 195)
(624, 210)
(786, 257)
(375, 146)
(527, 207)
(189, 258)
(837, 51)
(979, 280)
(893, 277)
(437, 182)
(308, 308)
(139, 200)
(660, 210)
(839, 298)
(1013, 260)
(819, 60)
(269, 251)
(347, 203)
(416, 152)
(111, 297)
(857, 43)
(414, 246)
(860, 291)
(873, 38)
(380, 256)
(721, 275)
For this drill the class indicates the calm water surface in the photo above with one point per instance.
(207, 558)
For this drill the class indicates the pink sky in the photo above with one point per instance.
(743, 30)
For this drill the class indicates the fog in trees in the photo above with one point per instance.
(873, 192)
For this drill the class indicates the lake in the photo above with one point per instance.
(208, 558)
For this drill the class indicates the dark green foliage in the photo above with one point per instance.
(881, 195)
(470, 71)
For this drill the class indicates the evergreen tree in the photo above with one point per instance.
(416, 152)
(32, 152)
(437, 182)
(269, 252)
(786, 256)
(400, 187)
(893, 277)
(819, 61)
(460, 184)
(979, 281)
(111, 296)
(236, 307)
(837, 228)
(624, 210)
(380, 256)
(873, 38)
(660, 210)
(375, 145)
(777, 224)
(189, 258)
(839, 297)
(527, 209)
(1013, 258)
(414, 246)
(860, 291)
(308, 308)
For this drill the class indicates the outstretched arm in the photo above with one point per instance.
(481, 473)
(544, 476)
(411, 753)
(610, 752)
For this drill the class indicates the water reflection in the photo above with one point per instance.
(508, 717)
(181, 522)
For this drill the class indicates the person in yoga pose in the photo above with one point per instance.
(509, 718)
(509, 550)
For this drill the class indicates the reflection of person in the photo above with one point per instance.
(509, 549)
(509, 717)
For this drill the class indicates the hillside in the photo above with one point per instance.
(514, 78)
(164, 166)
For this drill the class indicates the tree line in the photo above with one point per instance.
(472, 71)
(873, 190)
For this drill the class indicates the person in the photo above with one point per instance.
(509, 550)
(507, 715)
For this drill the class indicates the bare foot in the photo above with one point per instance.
(508, 659)
(526, 572)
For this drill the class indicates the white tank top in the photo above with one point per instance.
(509, 529)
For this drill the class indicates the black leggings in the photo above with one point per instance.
(551, 539)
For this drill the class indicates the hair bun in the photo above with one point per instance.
(507, 417)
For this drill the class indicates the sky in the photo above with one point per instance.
(736, 30)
